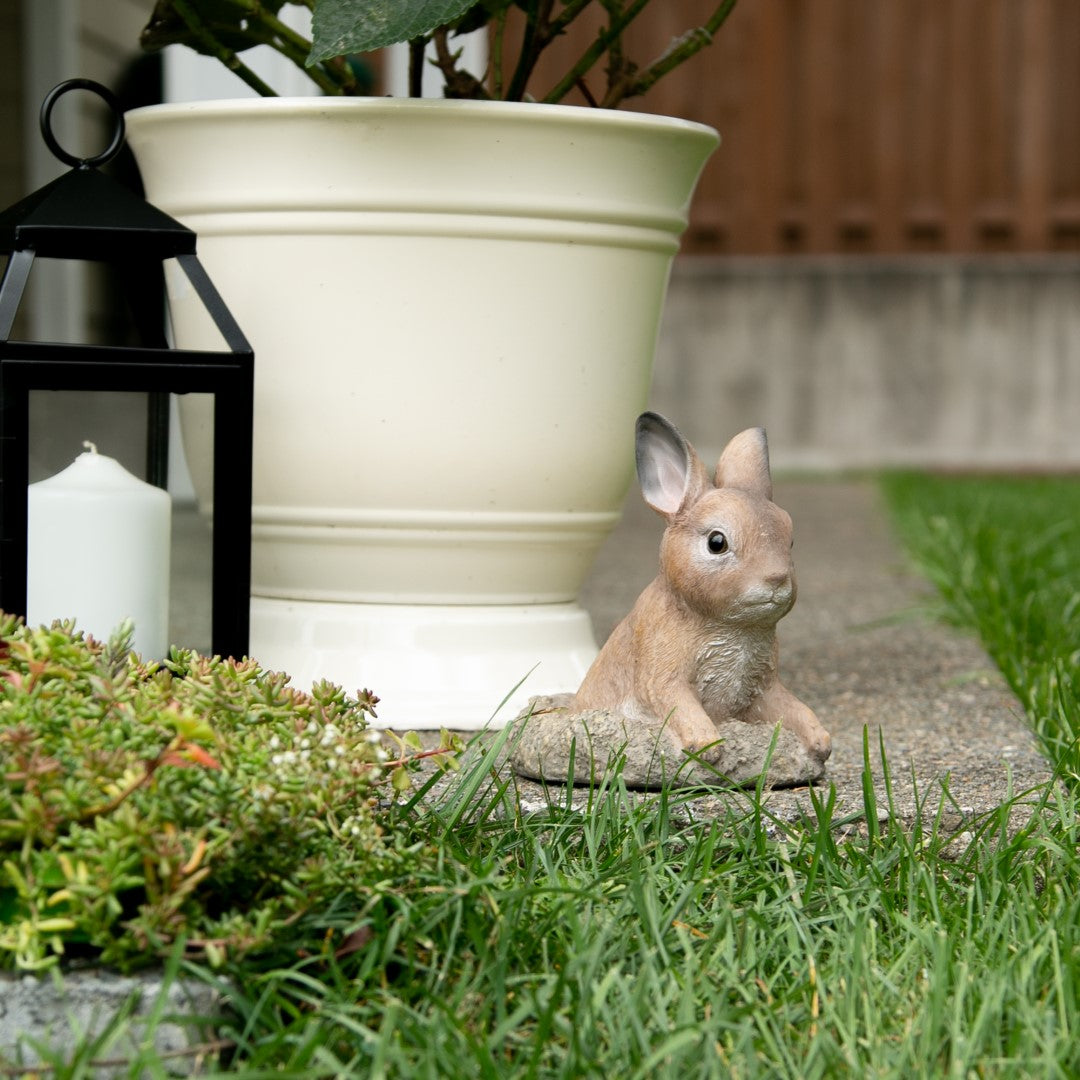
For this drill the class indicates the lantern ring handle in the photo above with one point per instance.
(106, 95)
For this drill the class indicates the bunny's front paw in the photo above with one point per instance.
(698, 737)
(819, 744)
(805, 726)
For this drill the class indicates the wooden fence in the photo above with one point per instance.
(877, 126)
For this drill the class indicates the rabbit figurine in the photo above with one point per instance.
(695, 661)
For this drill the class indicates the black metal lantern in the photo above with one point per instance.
(85, 215)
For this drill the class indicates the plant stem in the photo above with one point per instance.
(459, 84)
(587, 94)
(569, 13)
(149, 768)
(416, 755)
(417, 48)
(616, 57)
(496, 55)
(290, 38)
(339, 74)
(624, 78)
(537, 34)
(596, 50)
(295, 48)
(681, 50)
(214, 47)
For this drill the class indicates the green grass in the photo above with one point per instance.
(619, 941)
(626, 940)
(1005, 557)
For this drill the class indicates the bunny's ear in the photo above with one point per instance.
(668, 469)
(744, 463)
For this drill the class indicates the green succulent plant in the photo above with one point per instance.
(199, 799)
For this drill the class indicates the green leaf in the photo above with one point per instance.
(341, 27)
(15, 876)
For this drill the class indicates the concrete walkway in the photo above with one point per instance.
(861, 647)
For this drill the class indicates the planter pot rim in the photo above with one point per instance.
(393, 108)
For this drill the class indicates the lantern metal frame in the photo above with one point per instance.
(86, 216)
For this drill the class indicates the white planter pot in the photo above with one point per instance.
(454, 309)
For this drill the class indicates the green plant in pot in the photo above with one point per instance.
(521, 32)
(454, 305)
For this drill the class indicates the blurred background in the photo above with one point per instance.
(883, 259)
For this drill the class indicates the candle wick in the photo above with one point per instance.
(87, 444)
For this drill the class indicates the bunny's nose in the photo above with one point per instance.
(779, 579)
(781, 587)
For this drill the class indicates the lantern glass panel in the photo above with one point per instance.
(60, 420)
(115, 422)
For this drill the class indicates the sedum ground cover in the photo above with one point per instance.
(627, 940)
(195, 803)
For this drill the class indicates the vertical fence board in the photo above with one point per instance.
(764, 133)
(1064, 186)
(887, 129)
(1033, 126)
(974, 123)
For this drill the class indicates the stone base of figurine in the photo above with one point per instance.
(553, 744)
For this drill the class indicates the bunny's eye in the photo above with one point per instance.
(717, 542)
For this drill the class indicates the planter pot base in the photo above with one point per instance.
(432, 666)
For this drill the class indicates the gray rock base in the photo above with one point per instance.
(553, 744)
(62, 1011)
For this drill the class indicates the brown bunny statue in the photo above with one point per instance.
(691, 672)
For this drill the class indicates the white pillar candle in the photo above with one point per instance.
(98, 552)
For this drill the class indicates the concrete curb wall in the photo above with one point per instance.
(61, 1011)
(863, 362)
